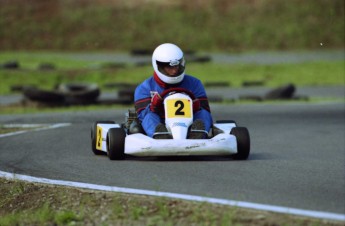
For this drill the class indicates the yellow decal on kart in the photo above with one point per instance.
(99, 138)
(178, 108)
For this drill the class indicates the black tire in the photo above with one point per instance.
(10, 65)
(217, 84)
(46, 67)
(79, 93)
(283, 92)
(251, 97)
(243, 142)
(225, 121)
(127, 93)
(199, 59)
(21, 88)
(141, 52)
(116, 143)
(35, 94)
(94, 136)
(253, 83)
(215, 99)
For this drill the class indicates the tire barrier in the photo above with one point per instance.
(10, 65)
(198, 59)
(64, 94)
(286, 92)
(79, 93)
(141, 52)
(46, 67)
(217, 84)
(251, 97)
(85, 93)
(148, 52)
(112, 101)
(113, 65)
(283, 92)
(190, 56)
(119, 85)
(253, 83)
(215, 99)
(76, 94)
(21, 88)
(126, 94)
(45, 96)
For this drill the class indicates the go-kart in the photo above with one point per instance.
(225, 138)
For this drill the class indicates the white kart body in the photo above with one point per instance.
(141, 145)
(178, 118)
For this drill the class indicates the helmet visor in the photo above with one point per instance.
(173, 68)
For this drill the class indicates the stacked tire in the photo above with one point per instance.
(64, 94)
(79, 93)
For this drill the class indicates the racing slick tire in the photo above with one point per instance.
(116, 143)
(94, 136)
(243, 142)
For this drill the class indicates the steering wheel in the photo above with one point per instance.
(177, 90)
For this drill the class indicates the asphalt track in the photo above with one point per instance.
(297, 157)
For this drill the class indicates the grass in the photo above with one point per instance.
(25, 203)
(114, 25)
(212, 25)
(302, 74)
(71, 68)
(76, 68)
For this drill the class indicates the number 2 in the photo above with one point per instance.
(180, 105)
(99, 137)
(178, 108)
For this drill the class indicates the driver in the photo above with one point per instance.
(169, 72)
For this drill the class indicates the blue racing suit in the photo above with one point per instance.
(145, 91)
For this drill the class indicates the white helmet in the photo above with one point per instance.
(168, 55)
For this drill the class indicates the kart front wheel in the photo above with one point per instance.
(116, 143)
(94, 136)
(243, 142)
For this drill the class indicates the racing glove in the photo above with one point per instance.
(157, 103)
(196, 105)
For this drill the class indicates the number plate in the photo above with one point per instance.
(179, 108)
(99, 138)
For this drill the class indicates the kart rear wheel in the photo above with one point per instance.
(243, 142)
(94, 136)
(116, 143)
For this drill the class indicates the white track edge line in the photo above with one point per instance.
(48, 126)
(248, 205)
